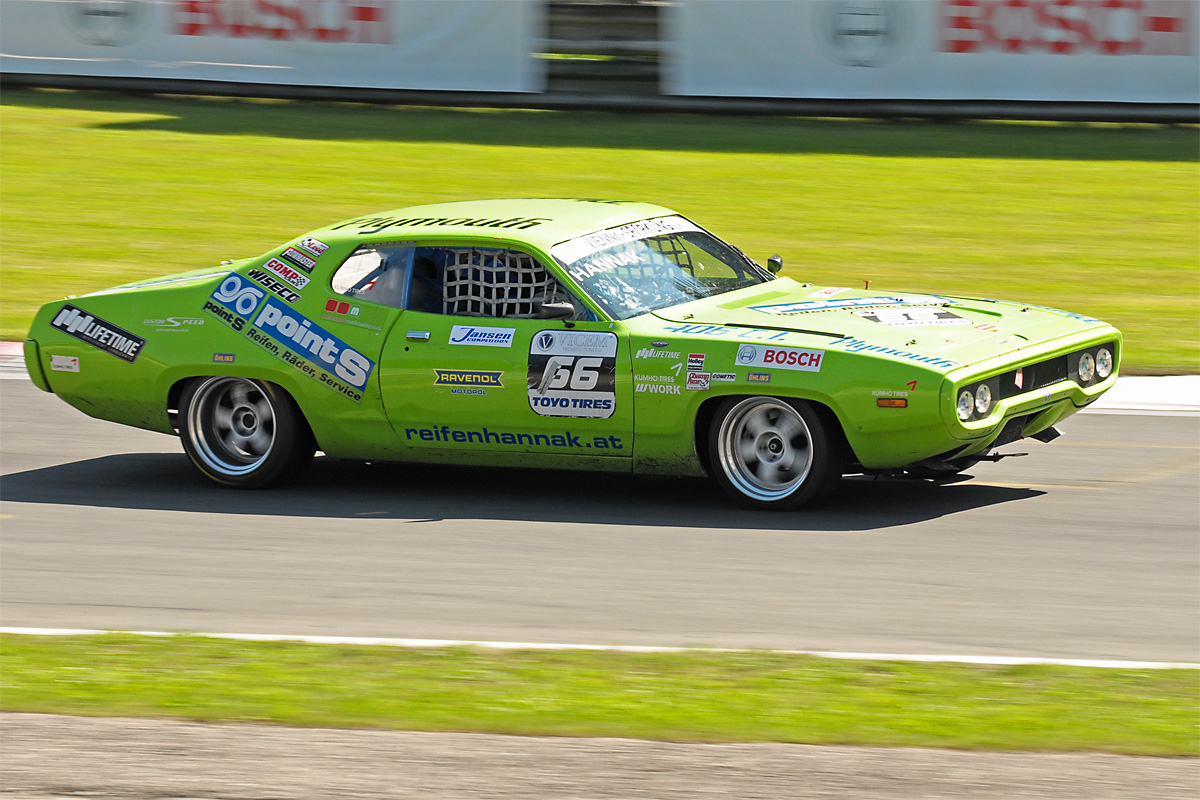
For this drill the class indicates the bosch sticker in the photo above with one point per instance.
(753, 355)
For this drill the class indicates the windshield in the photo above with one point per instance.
(654, 264)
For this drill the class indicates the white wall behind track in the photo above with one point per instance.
(441, 45)
(1124, 51)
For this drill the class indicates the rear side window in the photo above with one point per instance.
(376, 272)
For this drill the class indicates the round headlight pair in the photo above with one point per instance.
(977, 402)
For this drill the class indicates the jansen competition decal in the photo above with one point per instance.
(573, 374)
(290, 336)
(99, 334)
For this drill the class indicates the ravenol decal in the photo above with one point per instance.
(280, 330)
(482, 337)
(754, 355)
(301, 260)
(462, 377)
(102, 335)
(287, 272)
(826, 305)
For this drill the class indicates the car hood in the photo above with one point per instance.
(956, 328)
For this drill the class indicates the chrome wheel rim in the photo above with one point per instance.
(231, 425)
(765, 448)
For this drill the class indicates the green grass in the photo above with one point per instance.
(97, 189)
(686, 696)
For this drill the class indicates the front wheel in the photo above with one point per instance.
(242, 433)
(772, 453)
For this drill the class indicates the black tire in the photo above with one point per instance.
(243, 434)
(774, 453)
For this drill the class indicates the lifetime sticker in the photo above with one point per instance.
(101, 335)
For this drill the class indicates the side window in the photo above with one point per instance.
(376, 272)
(488, 282)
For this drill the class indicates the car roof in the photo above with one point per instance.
(539, 222)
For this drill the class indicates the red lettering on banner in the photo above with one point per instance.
(1067, 27)
(348, 21)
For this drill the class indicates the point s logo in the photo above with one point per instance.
(299, 333)
(781, 358)
(238, 296)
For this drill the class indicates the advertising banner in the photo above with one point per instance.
(442, 45)
(1127, 51)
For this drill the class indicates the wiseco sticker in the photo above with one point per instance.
(755, 355)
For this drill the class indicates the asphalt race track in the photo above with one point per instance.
(1085, 548)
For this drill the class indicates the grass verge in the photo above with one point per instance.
(688, 696)
(100, 189)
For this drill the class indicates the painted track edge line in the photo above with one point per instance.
(369, 640)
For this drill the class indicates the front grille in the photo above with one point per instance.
(1032, 377)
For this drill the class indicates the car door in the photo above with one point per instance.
(466, 368)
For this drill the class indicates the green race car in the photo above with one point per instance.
(565, 334)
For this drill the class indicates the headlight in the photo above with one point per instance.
(1104, 363)
(1087, 367)
(983, 399)
(966, 405)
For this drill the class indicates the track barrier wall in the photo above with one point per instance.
(1129, 60)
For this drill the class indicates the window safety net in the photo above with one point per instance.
(494, 283)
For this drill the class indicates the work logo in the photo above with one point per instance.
(314, 246)
(460, 377)
(98, 333)
(752, 355)
(287, 272)
(302, 261)
(275, 285)
(482, 337)
(310, 341)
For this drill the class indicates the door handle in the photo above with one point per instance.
(417, 336)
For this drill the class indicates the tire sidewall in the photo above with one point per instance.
(824, 470)
(290, 451)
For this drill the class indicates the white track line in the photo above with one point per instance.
(367, 640)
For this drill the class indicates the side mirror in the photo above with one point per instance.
(775, 263)
(554, 311)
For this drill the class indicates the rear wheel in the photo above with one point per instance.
(772, 453)
(243, 433)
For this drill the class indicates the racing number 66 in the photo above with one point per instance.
(583, 376)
